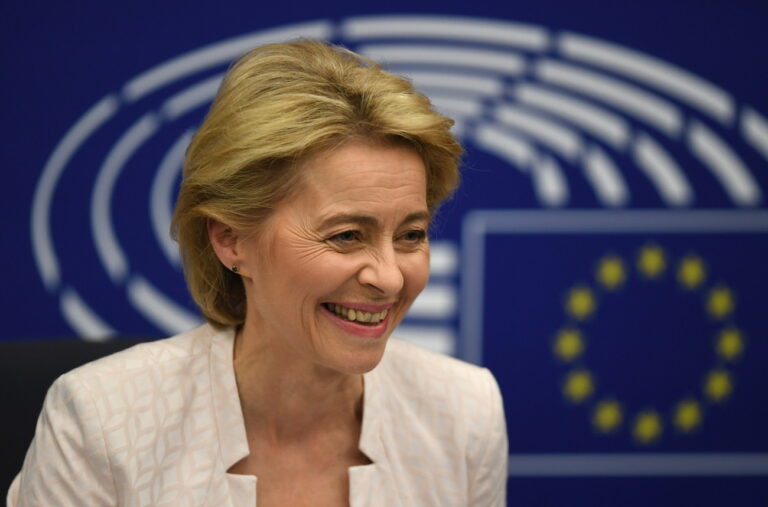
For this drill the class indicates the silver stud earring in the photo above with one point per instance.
(235, 269)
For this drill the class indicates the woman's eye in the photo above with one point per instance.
(345, 237)
(415, 236)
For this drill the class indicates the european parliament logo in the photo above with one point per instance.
(640, 336)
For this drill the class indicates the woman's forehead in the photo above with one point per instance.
(359, 175)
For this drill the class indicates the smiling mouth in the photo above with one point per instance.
(357, 316)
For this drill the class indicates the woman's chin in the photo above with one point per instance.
(362, 360)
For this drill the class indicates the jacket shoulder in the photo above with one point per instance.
(436, 385)
(450, 415)
(133, 360)
(408, 361)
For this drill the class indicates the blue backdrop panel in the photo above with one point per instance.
(604, 255)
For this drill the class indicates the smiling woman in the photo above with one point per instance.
(347, 247)
(302, 221)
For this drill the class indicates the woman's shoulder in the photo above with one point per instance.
(448, 415)
(416, 372)
(139, 358)
(100, 420)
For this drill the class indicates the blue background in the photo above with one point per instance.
(648, 345)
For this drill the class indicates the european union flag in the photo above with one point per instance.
(630, 348)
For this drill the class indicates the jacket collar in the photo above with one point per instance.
(233, 441)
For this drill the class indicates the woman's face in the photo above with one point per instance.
(334, 269)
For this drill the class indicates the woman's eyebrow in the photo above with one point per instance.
(349, 218)
(369, 220)
(418, 216)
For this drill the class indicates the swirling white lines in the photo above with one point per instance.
(215, 55)
(605, 178)
(162, 195)
(560, 139)
(754, 128)
(447, 27)
(724, 164)
(627, 98)
(457, 81)
(42, 242)
(198, 95)
(74, 309)
(107, 246)
(158, 308)
(493, 61)
(542, 111)
(83, 320)
(664, 76)
(663, 171)
(606, 126)
(508, 146)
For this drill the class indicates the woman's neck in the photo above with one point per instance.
(286, 398)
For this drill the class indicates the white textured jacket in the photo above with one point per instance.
(160, 424)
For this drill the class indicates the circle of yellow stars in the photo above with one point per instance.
(581, 303)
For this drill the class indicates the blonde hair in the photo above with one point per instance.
(278, 105)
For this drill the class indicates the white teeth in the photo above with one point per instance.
(357, 315)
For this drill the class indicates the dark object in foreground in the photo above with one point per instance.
(27, 370)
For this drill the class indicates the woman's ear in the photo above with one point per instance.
(225, 244)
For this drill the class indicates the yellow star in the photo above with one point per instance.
(720, 302)
(718, 385)
(691, 273)
(568, 344)
(651, 262)
(730, 343)
(607, 416)
(687, 415)
(578, 386)
(580, 302)
(647, 427)
(610, 272)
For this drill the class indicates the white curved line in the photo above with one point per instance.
(42, 243)
(727, 167)
(598, 221)
(630, 99)
(679, 83)
(494, 61)
(656, 464)
(604, 125)
(605, 178)
(195, 96)
(451, 105)
(158, 309)
(217, 54)
(505, 145)
(436, 301)
(82, 319)
(461, 82)
(548, 182)
(754, 128)
(663, 172)
(107, 247)
(446, 27)
(162, 193)
(443, 258)
(561, 139)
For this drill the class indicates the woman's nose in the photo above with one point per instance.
(383, 272)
